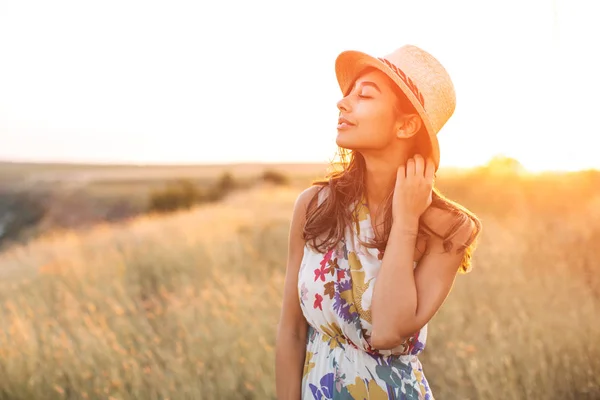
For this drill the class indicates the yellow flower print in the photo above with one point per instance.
(308, 365)
(363, 391)
(333, 335)
(360, 214)
(359, 286)
(419, 377)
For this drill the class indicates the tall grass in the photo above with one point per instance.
(185, 306)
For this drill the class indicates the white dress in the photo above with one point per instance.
(335, 291)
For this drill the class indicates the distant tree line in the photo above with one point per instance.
(184, 194)
(20, 211)
(26, 213)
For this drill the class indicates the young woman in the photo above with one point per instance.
(374, 248)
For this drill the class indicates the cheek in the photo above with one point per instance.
(379, 125)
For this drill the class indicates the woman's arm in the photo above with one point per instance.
(405, 299)
(290, 348)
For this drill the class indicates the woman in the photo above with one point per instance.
(373, 249)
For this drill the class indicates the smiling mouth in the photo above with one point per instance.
(343, 123)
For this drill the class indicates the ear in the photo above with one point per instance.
(408, 125)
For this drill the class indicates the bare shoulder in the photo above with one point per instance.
(303, 201)
(442, 222)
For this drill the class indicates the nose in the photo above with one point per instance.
(343, 105)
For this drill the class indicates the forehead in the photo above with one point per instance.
(375, 76)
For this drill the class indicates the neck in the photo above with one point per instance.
(380, 178)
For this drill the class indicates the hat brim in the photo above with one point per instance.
(350, 64)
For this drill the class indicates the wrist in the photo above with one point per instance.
(406, 223)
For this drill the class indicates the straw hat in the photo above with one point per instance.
(418, 74)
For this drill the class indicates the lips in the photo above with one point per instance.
(343, 123)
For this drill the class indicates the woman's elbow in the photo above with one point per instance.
(385, 341)
(389, 340)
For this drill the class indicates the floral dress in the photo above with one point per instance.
(335, 291)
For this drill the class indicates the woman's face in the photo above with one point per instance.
(369, 118)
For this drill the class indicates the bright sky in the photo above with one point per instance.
(220, 81)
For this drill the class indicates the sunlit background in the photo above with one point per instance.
(223, 81)
(150, 281)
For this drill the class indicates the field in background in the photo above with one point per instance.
(27, 173)
(186, 305)
(40, 198)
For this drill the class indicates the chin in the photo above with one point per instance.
(342, 140)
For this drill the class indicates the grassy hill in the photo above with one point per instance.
(185, 305)
(36, 198)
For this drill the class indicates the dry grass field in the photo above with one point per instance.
(185, 306)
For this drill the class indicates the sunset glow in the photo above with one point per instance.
(206, 82)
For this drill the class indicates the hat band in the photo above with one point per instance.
(411, 85)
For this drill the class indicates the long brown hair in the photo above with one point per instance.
(346, 183)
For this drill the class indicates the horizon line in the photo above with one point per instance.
(166, 164)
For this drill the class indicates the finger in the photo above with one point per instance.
(419, 165)
(401, 172)
(410, 167)
(430, 170)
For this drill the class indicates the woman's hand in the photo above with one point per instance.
(413, 189)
